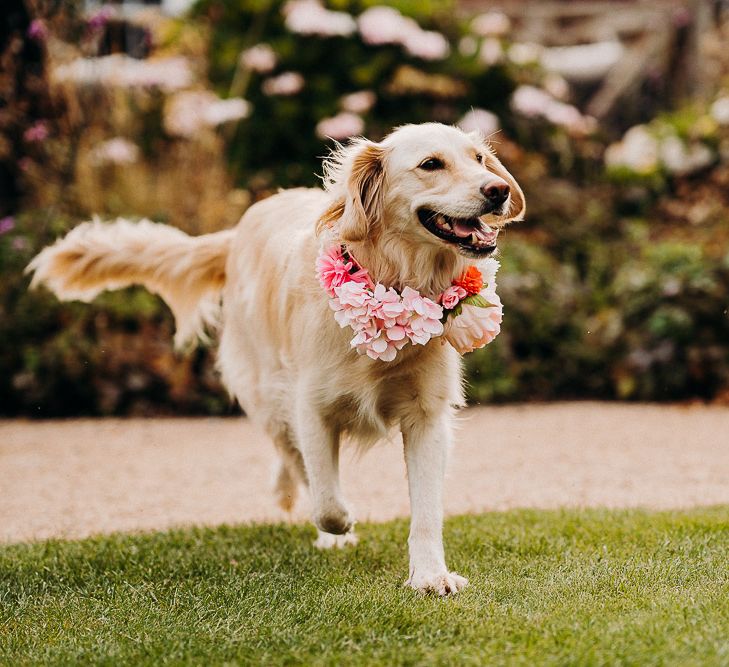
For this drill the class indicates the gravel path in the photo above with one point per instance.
(75, 478)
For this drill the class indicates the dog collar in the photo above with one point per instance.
(385, 320)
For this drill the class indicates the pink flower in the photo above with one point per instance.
(38, 30)
(354, 295)
(479, 120)
(491, 51)
(474, 327)
(383, 25)
(339, 127)
(36, 132)
(20, 243)
(530, 101)
(351, 305)
(360, 102)
(386, 305)
(421, 329)
(333, 270)
(115, 151)
(188, 112)
(426, 44)
(7, 224)
(397, 334)
(122, 71)
(534, 102)
(309, 17)
(259, 58)
(491, 23)
(421, 305)
(452, 296)
(285, 84)
(386, 25)
(381, 348)
(424, 321)
(98, 20)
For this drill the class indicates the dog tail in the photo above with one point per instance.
(187, 272)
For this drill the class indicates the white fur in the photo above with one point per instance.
(282, 355)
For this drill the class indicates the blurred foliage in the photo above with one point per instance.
(615, 287)
(647, 320)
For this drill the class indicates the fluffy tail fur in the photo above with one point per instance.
(187, 272)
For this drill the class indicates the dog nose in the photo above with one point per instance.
(495, 193)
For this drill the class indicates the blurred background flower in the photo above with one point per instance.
(309, 17)
(115, 151)
(340, 127)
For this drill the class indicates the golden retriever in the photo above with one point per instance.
(395, 205)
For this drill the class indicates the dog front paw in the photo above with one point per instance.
(329, 541)
(441, 583)
(335, 520)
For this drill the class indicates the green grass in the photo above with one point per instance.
(559, 588)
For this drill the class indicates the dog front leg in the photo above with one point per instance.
(426, 448)
(319, 446)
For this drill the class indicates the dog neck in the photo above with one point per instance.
(400, 264)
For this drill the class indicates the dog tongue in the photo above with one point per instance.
(464, 228)
(487, 235)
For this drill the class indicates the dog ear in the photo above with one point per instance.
(517, 208)
(360, 208)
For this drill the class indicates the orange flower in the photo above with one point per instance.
(471, 280)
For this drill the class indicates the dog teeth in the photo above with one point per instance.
(474, 239)
(442, 223)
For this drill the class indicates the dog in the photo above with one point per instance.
(393, 205)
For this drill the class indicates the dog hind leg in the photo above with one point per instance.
(285, 488)
(291, 471)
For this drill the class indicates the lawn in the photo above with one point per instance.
(567, 587)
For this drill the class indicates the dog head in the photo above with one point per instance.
(427, 184)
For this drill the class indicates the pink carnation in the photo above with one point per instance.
(333, 270)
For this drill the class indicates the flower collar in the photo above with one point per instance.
(467, 313)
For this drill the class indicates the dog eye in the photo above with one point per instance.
(479, 158)
(431, 164)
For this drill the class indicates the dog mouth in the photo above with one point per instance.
(471, 235)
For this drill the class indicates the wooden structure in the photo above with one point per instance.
(661, 40)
